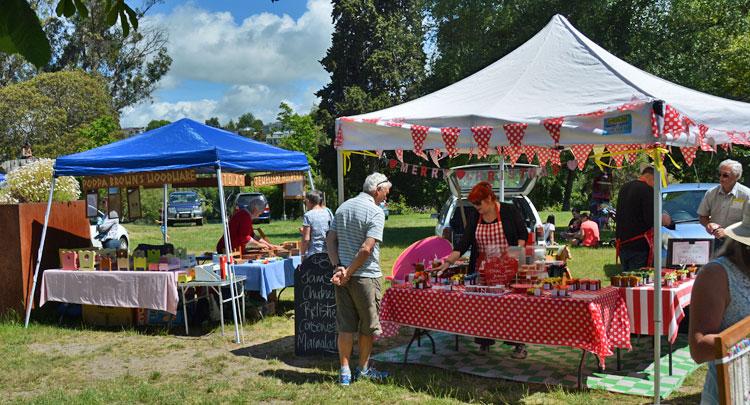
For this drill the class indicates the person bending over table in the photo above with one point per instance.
(497, 227)
(241, 230)
(720, 298)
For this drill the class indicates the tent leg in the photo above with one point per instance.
(658, 109)
(228, 251)
(340, 176)
(164, 216)
(310, 178)
(502, 179)
(30, 299)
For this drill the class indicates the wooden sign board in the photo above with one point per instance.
(277, 178)
(314, 308)
(145, 179)
(227, 179)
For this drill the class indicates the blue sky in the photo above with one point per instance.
(236, 56)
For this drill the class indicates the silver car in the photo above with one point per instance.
(519, 181)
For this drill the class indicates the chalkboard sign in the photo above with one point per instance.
(314, 308)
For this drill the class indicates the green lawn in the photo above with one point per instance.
(72, 364)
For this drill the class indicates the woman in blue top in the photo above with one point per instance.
(720, 298)
(315, 225)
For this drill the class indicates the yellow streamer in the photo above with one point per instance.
(654, 153)
(347, 156)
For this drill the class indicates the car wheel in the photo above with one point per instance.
(170, 223)
(123, 243)
(199, 222)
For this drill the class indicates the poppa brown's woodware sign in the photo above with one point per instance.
(146, 179)
(277, 178)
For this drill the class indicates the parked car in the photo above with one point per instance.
(245, 198)
(681, 202)
(519, 181)
(122, 233)
(185, 206)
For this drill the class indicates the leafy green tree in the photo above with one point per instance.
(376, 60)
(214, 122)
(49, 110)
(101, 131)
(304, 134)
(153, 124)
(251, 127)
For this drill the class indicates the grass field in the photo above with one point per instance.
(70, 363)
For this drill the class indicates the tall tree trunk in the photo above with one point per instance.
(568, 190)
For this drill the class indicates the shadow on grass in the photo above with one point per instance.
(283, 350)
(297, 377)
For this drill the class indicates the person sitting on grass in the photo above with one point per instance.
(549, 230)
(588, 235)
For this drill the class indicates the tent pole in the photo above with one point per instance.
(310, 178)
(30, 299)
(164, 219)
(502, 178)
(228, 251)
(658, 109)
(340, 176)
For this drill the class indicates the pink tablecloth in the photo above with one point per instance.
(593, 321)
(640, 302)
(127, 289)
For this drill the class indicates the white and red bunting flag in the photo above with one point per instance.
(629, 107)
(530, 151)
(702, 130)
(632, 155)
(418, 135)
(515, 132)
(597, 113)
(435, 156)
(726, 146)
(617, 155)
(394, 124)
(688, 153)
(450, 137)
(339, 141)
(482, 135)
(513, 152)
(553, 126)
(346, 119)
(543, 154)
(737, 138)
(400, 155)
(379, 152)
(654, 125)
(581, 154)
(673, 122)
(554, 158)
(371, 120)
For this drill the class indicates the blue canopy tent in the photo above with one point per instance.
(2, 178)
(184, 144)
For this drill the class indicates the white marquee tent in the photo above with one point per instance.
(559, 89)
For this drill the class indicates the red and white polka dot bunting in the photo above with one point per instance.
(450, 137)
(702, 130)
(400, 155)
(482, 135)
(339, 141)
(633, 155)
(597, 113)
(370, 120)
(553, 126)
(513, 153)
(435, 156)
(673, 122)
(543, 154)
(418, 135)
(581, 154)
(629, 106)
(394, 124)
(346, 119)
(554, 158)
(515, 132)
(688, 153)
(654, 125)
(379, 152)
(616, 151)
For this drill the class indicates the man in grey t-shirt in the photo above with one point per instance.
(722, 205)
(353, 244)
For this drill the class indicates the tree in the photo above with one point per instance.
(21, 32)
(101, 131)
(376, 60)
(50, 109)
(153, 124)
(214, 122)
(131, 63)
(304, 134)
(249, 126)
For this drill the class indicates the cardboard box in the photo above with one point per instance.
(107, 316)
(152, 317)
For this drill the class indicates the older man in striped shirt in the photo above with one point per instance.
(353, 247)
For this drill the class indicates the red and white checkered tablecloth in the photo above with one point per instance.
(593, 321)
(640, 302)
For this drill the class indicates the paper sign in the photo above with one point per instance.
(621, 124)
(689, 251)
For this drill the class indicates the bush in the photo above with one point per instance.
(31, 183)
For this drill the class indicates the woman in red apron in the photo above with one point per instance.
(490, 230)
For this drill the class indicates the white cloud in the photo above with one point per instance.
(261, 61)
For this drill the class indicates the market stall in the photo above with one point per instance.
(183, 152)
(558, 90)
